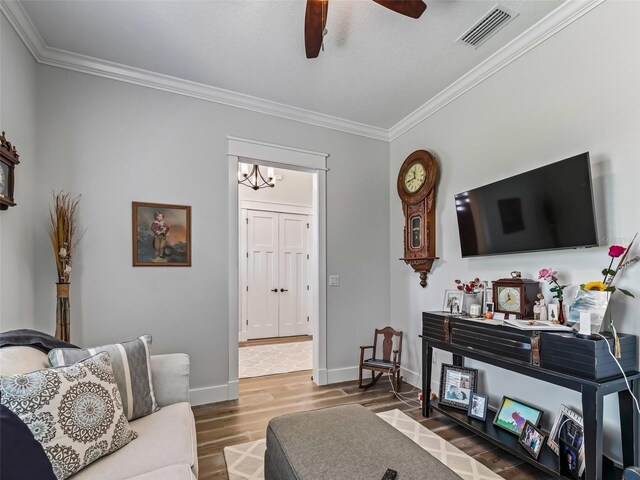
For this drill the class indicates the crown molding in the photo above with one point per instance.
(564, 15)
(46, 55)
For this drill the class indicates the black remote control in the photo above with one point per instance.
(390, 474)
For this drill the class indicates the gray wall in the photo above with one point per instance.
(17, 228)
(115, 143)
(577, 91)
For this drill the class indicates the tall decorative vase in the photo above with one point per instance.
(469, 299)
(595, 303)
(561, 319)
(63, 312)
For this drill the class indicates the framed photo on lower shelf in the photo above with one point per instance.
(532, 439)
(456, 386)
(569, 428)
(478, 404)
(513, 415)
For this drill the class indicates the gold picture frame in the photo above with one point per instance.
(161, 234)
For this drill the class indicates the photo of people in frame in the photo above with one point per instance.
(569, 460)
(478, 406)
(452, 301)
(456, 386)
(532, 439)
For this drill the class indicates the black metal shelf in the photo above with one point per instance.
(548, 461)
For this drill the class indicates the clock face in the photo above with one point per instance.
(509, 299)
(415, 177)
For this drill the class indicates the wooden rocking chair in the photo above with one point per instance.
(384, 364)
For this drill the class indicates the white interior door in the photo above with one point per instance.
(294, 274)
(262, 274)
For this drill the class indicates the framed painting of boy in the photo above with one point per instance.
(161, 235)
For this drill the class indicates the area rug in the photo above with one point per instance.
(260, 360)
(246, 461)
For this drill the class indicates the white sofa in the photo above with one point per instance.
(166, 446)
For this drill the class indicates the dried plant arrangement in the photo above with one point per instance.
(64, 240)
(64, 219)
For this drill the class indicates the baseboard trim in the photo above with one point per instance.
(213, 394)
(411, 377)
(234, 390)
(338, 375)
(322, 377)
(348, 374)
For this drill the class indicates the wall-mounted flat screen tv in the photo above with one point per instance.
(548, 208)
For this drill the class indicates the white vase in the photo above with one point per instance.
(593, 302)
(469, 299)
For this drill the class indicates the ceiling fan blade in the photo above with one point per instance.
(315, 20)
(410, 8)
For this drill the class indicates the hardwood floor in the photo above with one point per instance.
(262, 398)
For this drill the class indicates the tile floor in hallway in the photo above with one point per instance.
(259, 360)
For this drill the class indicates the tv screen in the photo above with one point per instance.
(548, 208)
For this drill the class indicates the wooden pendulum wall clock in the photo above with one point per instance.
(417, 191)
(8, 161)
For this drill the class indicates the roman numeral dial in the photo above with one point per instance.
(414, 178)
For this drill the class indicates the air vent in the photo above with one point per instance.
(489, 24)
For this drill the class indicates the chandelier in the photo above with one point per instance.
(254, 178)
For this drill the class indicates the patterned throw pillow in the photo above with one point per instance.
(75, 412)
(131, 367)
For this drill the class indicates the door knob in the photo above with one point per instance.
(275, 290)
(283, 290)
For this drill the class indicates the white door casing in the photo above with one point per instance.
(294, 275)
(262, 274)
(279, 156)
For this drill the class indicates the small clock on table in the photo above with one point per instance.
(515, 295)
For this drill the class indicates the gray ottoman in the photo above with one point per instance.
(344, 443)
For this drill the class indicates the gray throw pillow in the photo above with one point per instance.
(131, 367)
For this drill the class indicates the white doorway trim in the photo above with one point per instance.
(294, 159)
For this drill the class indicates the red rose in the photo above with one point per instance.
(616, 250)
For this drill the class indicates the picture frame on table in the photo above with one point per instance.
(452, 301)
(456, 386)
(513, 415)
(568, 427)
(532, 439)
(478, 404)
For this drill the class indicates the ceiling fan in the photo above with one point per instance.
(316, 19)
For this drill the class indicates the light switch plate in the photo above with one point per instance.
(334, 280)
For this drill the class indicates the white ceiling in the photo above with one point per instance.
(377, 67)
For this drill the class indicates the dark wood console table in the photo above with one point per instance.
(439, 335)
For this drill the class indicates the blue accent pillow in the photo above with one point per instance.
(22, 456)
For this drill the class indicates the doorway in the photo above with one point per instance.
(295, 159)
(275, 289)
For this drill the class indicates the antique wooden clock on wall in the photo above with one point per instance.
(417, 191)
(8, 161)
